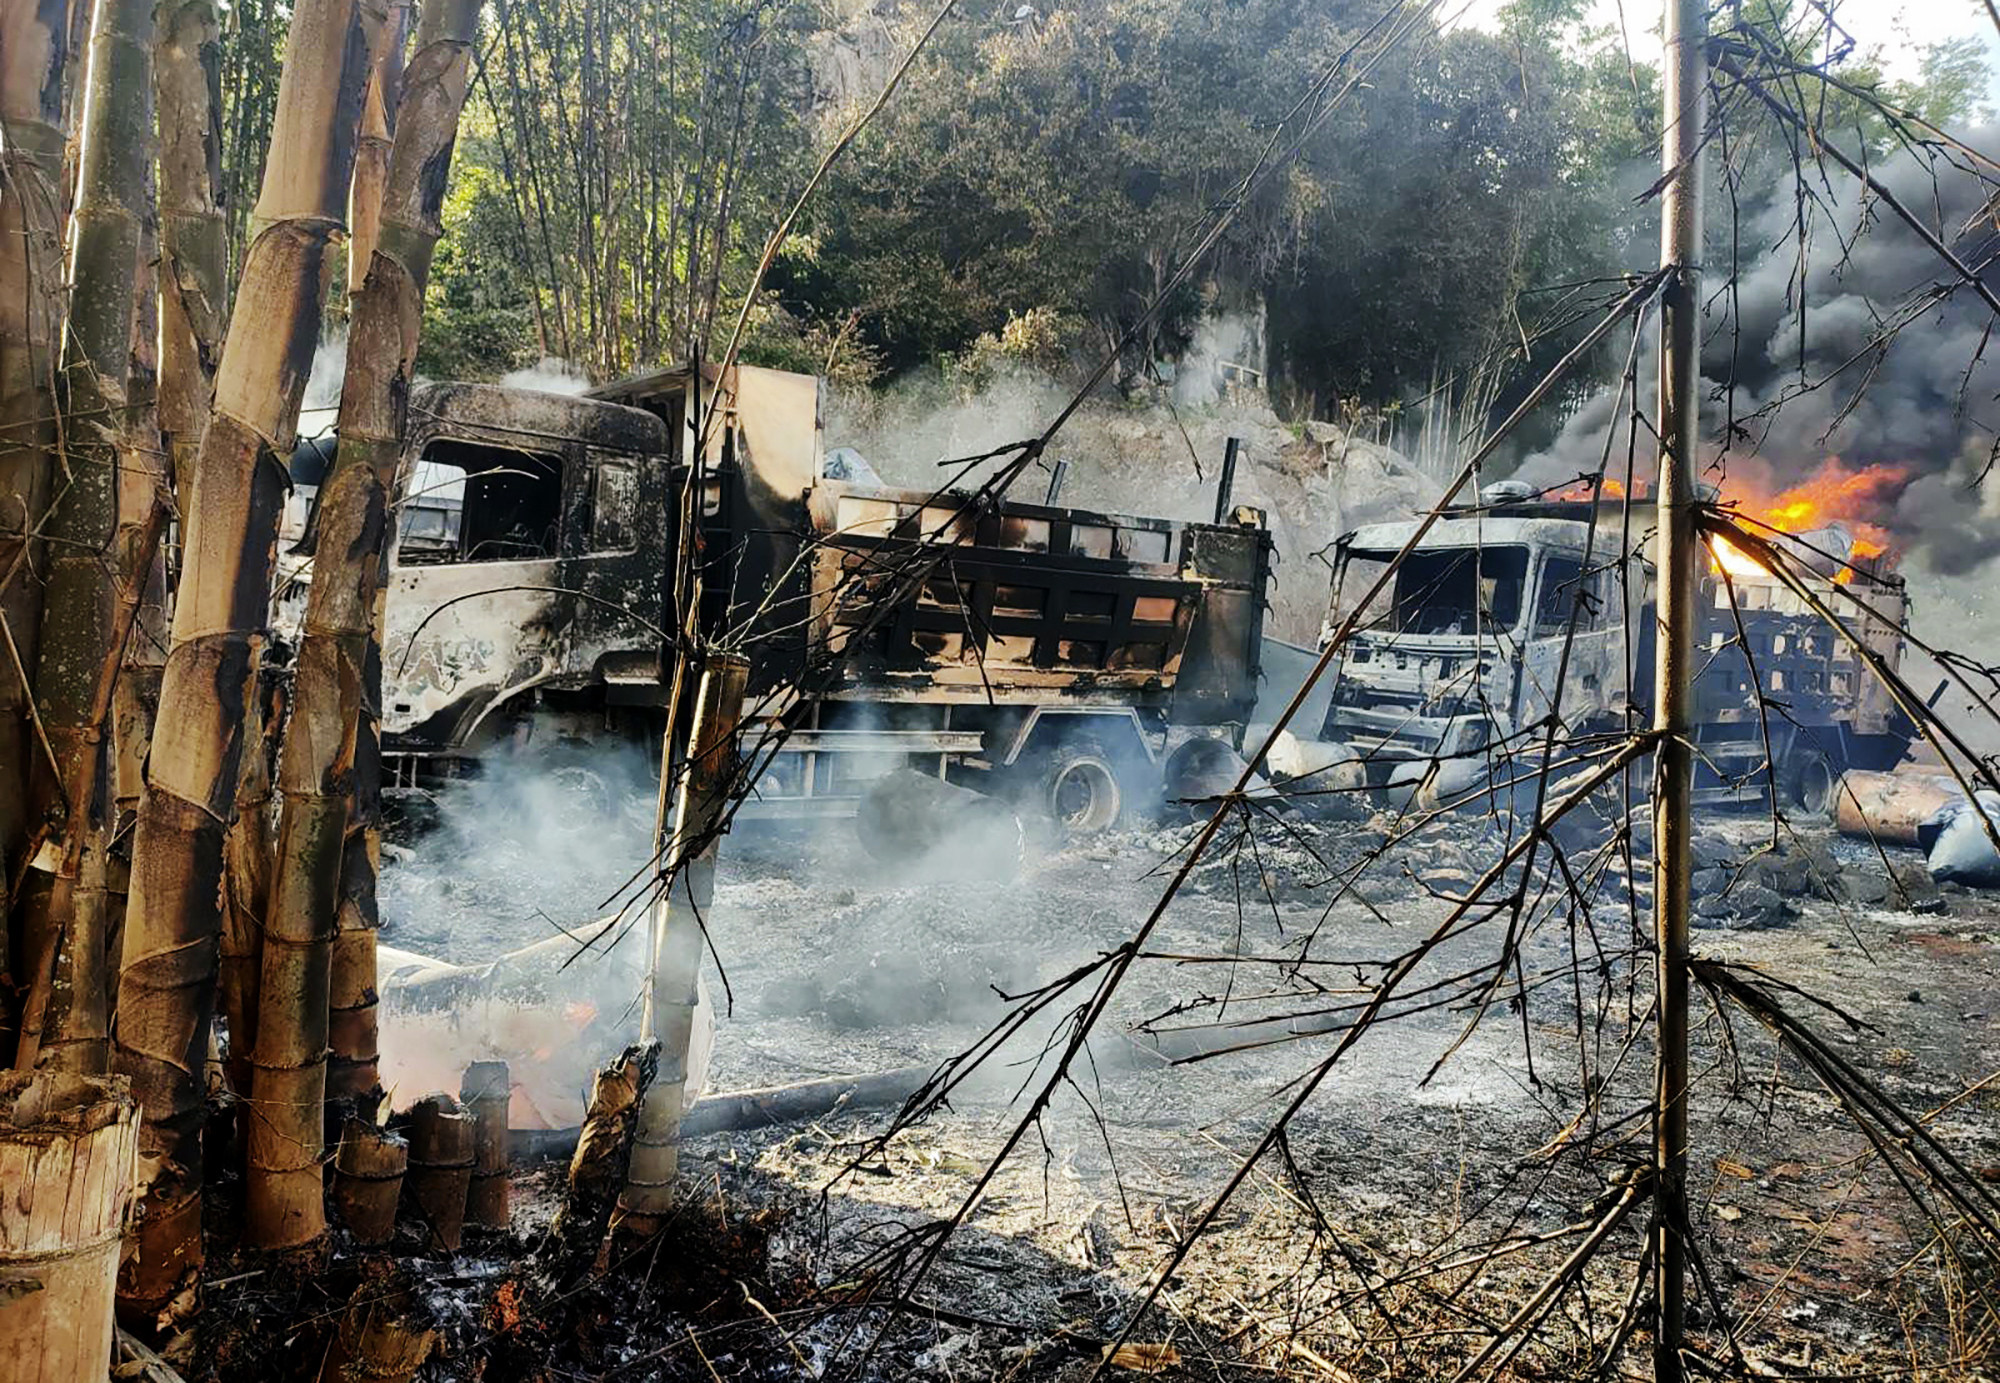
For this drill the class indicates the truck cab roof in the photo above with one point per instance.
(1481, 528)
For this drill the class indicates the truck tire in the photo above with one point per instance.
(1811, 781)
(1077, 789)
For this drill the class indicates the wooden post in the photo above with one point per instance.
(677, 922)
(368, 1171)
(486, 1091)
(440, 1167)
(69, 1153)
(1686, 100)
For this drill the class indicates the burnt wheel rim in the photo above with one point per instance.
(1817, 786)
(1084, 797)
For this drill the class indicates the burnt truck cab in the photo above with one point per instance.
(526, 569)
(1462, 647)
(1462, 652)
(542, 540)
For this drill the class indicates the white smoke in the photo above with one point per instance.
(322, 397)
(549, 375)
(1227, 352)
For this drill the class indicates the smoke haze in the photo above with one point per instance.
(1837, 377)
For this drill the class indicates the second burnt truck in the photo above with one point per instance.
(1461, 656)
(1078, 661)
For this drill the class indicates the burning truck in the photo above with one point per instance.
(1081, 662)
(1461, 658)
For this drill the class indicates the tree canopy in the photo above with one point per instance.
(1043, 170)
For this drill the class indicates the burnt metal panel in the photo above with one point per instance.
(1219, 675)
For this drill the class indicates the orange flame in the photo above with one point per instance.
(1833, 494)
(1580, 490)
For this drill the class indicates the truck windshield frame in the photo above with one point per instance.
(470, 502)
(1433, 593)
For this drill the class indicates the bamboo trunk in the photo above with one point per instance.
(486, 1092)
(441, 1159)
(68, 1148)
(193, 231)
(354, 1059)
(1684, 92)
(316, 768)
(247, 852)
(81, 645)
(145, 505)
(672, 989)
(354, 1069)
(368, 1172)
(167, 987)
(372, 149)
(33, 36)
(384, 1335)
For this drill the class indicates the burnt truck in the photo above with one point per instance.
(1084, 662)
(1460, 654)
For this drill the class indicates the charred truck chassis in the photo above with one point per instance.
(1463, 652)
(1087, 662)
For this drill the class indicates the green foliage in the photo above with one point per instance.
(1029, 191)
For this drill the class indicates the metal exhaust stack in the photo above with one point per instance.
(1226, 490)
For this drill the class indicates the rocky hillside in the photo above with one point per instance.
(1313, 481)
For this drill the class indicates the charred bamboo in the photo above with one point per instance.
(316, 767)
(368, 1172)
(372, 149)
(33, 37)
(354, 1065)
(734, 1110)
(384, 1335)
(486, 1092)
(441, 1161)
(247, 851)
(166, 992)
(598, 1168)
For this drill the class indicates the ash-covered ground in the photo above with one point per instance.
(1402, 1161)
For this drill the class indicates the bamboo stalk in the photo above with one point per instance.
(384, 1335)
(82, 645)
(368, 1172)
(441, 1160)
(316, 767)
(372, 149)
(671, 988)
(193, 230)
(598, 1168)
(33, 36)
(166, 991)
(68, 1144)
(79, 1026)
(486, 1092)
(247, 851)
(145, 480)
(1685, 94)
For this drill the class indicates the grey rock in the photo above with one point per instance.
(1864, 887)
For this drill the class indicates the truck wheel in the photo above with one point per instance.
(1079, 789)
(1811, 781)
